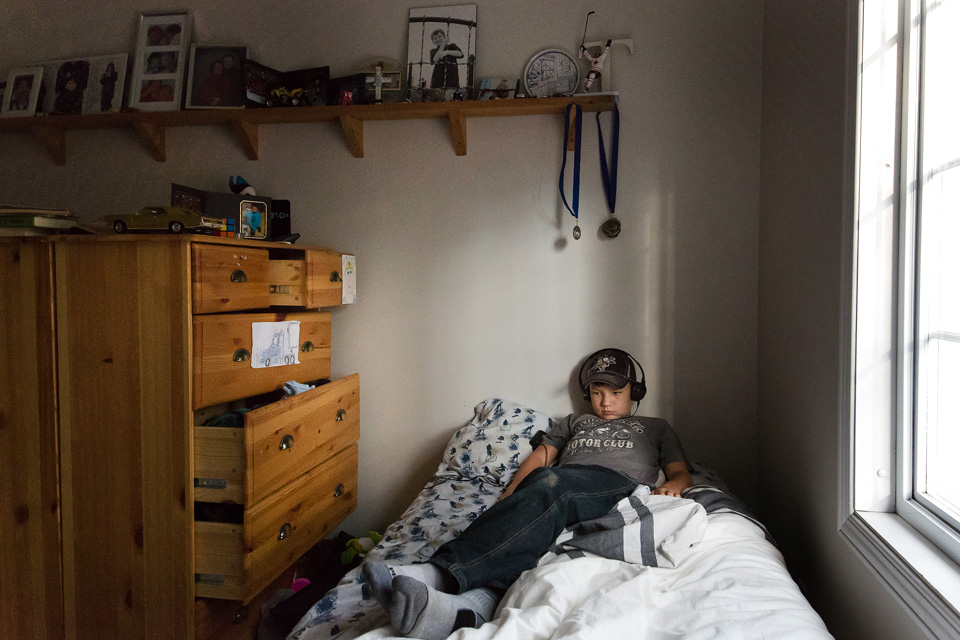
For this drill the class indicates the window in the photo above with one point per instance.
(902, 475)
(934, 211)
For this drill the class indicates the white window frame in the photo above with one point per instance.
(897, 538)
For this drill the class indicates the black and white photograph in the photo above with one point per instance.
(83, 85)
(216, 77)
(159, 66)
(442, 52)
(23, 89)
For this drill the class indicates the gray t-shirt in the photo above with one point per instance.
(637, 447)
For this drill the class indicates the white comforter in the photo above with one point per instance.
(731, 584)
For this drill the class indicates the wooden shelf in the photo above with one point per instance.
(152, 125)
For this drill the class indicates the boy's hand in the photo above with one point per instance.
(667, 489)
(678, 480)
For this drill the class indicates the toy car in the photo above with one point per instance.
(174, 219)
(283, 97)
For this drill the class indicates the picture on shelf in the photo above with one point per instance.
(23, 92)
(259, 81)
(216, 77)
(83, 85)
(163, 43)
(442, 52)
(497, 88)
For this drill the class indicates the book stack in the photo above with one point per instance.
(27, 221)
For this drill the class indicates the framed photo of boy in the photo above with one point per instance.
(23, 89)
(216, 77)
(83, 85)
(163, 43)
(442, 51)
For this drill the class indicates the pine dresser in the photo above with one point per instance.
(122, 510)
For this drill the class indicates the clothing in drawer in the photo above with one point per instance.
(278, 442)
(235, 561)
(227, 365)
(229, 278)
(312, 278)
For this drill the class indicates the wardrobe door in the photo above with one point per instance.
(31, 605)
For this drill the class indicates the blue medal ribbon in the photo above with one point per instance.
(575, 211)
(609, 176)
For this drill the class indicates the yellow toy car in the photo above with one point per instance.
(173, 219)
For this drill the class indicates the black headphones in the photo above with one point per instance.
(638, 388)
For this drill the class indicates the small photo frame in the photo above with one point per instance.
(253, 219)
(23, 90)
(442, 51)
(216, 79)
(83, 85)
(163, 44)
(497, 88)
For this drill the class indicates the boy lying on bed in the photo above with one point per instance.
(603, 457)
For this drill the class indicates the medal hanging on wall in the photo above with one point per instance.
(610, 227)
(575, 211)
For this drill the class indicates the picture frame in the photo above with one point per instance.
(259, 81)
(23, 92)
(354, 84)
(93, 84)
(432, 31)
(313, 82)
(216, 78)
(497, 88)
(157, 78)
(254, 215)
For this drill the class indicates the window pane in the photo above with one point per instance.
(938, 305)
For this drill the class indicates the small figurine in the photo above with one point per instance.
(240, 186)
(378, 83)
(596, 64)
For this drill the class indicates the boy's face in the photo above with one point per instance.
(609, 402)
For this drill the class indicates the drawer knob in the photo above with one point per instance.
(339, 491)
(241, 355)
(285, 531)
(238, 276)
(286, 442)
(307, 347)
(335, 277)
(341, 414)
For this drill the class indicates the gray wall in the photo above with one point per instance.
(801, 208)
(469, 283)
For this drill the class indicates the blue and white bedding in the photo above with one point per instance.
(654, 568)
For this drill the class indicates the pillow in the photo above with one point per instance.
(494, 442)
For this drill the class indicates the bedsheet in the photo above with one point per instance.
(714, 573)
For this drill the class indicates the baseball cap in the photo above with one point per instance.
(610, 366)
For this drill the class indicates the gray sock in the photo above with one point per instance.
(380, 575)
(380, 578)
(418, 611)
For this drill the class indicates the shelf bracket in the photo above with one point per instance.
(53, 141)
(353, 130)
(155, 136)
(248, 137)
(458, 130)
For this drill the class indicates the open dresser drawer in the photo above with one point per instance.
(230, 278)
(235, 561)
(224, 355)
(278, 443)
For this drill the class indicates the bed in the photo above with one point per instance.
(654, 568)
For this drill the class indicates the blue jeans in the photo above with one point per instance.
(509, 537)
